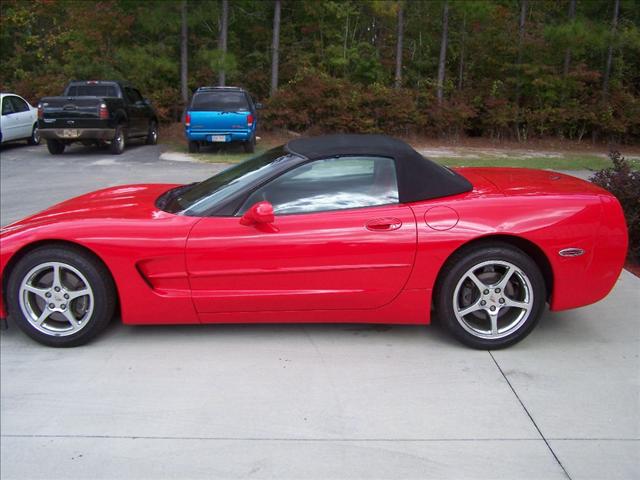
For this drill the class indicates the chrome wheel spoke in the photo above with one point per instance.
(41, 292)
(73, 294)
(57, 276)
(71, 319)
(470, 309)
(43, 316)
(493, 316)
(478, 283)
(517, 304)
(505, 278)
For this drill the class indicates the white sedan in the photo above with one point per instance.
(19, 120)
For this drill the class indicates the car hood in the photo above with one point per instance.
(122, 202)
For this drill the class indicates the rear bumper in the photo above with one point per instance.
(230, 136)
(82, 134)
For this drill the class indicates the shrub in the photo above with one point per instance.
(624, 183)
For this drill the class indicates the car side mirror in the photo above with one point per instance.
(260, 213)
(259, 106)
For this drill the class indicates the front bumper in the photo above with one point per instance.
(74, 134)
(229, 136)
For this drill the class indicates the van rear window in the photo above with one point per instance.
(219, 102)
(92, 91)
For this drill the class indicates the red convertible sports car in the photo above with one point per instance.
(342, 228)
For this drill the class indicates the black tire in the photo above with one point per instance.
(118, 141)
(55, 147)
(194, 147)
(152, 134)
(456, 291)
(34, 139)
(98, 310)
(250, 145)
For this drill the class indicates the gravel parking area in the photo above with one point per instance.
(308, 401)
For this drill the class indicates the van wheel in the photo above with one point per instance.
(194, 147)
(55, 147)
(250, 145)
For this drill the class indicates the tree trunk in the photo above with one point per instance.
(567, 52)
(222, 42)
(462, 45)
(184, 89)
(607, 71)
(400, 35)
(521, 31)
(443, 51)
(275, 48)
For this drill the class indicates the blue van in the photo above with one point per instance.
(221, 115)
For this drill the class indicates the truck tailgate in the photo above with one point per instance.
(59, 111)
(218, 121)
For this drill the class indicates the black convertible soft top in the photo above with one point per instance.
(418, 177)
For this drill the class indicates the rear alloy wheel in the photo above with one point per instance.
(60, 297)
(34, 139)
(55, 147)
(152, 134)
(194, 147)
(117, 143)
(490, 297)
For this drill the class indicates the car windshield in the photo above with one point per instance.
(202, 197)
(92, 91)
(221, 101)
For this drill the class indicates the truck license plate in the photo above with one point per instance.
(70, 133)
(218, 138)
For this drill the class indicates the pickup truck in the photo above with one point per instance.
(96, 113)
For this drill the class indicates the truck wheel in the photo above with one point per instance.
(250, 145)
(194, 147)
(117, 144)
(152, 135)
(55, 147)
(34, 139)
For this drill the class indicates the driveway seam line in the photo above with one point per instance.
(529, 415)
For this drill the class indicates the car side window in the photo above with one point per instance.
(330, 184)
(19, 105)
(7, 106)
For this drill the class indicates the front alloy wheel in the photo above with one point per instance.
(56, 298)
(59, 296)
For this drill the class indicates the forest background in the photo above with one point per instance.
(500, 69)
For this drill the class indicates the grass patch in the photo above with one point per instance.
(233, 153)
(566, 162)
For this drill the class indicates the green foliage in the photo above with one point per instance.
(337, 61)
(624, 182)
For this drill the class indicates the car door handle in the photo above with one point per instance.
(384, 224)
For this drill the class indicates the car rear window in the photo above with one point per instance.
(219, 101)
(92, 91)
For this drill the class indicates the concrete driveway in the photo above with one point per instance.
(313, 401)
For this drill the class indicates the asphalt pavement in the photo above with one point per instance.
(308, 401)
